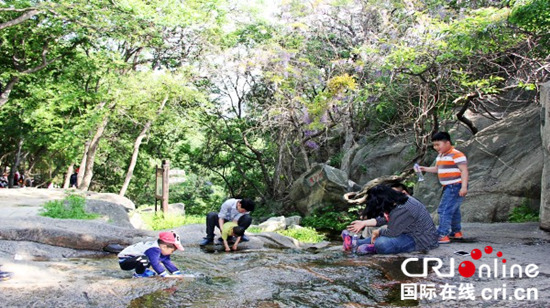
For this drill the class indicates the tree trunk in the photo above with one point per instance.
(5, 93)
(68, 176)
(349, 147)
(15, 163)
(92, 150)
(137, 144)
(82, 167)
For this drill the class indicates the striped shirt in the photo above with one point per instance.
(413, 219)
(447, 166)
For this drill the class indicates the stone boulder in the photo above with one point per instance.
(70, 233)
(293, 221)
(380, 158)
(505, 165)
(177, 209)
(273, 224)
(321, 186)
(113, 198)
(112, 213)
(545, 134)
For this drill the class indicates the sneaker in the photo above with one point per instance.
(244, 238)
(347, 240)
(206, 241)
(5, 276)
(444, 239)
(366, 249)
(457, 235)
(148, 273)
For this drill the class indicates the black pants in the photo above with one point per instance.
(133, 262)
(212, 221)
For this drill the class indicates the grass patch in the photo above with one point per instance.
(304, 235)
(159, 222)
(254, 230)
(523, 213)
(71, 207)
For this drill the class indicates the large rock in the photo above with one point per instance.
(293, 221)
(505, 165)
(113, 198)
(382, 157)
(273, 224)
(112, 213)
(69, 233)
(177, 209)
(321, 186)
(545, 134)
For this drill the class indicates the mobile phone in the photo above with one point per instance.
(462, 253)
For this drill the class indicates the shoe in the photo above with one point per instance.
(347, 240)
(5, 276)
(206, 241)
(366, 249)
(244, 238)
(444, 239)
(457, 235)
(148, 273)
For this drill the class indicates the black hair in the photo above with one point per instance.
(441, 136)
(383, 199)
(170, 245)
(402, 186)
(238, 231)
(247, 204)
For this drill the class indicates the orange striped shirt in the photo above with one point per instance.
(447, 166)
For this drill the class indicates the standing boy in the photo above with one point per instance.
(236, 210)
(452, 170)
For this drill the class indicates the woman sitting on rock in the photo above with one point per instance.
(409, 225)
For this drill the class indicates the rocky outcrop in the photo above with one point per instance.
(505, 164)
(545, 134)
(381, 158)
(273, 224)
(69, 233)
(321, 186)
(111, 213)
(113, 198)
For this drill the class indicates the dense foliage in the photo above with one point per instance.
(246, 96)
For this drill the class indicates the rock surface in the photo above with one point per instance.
(112, 213)
(321, 186)
(113, 198)
(273, 224)
(545, 134)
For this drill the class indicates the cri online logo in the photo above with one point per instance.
(467, 268)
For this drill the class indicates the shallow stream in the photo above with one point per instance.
(281, 278)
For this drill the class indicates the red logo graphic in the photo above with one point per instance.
(467, 268)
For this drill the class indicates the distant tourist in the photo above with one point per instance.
(236, 210)
(452, 170)
(74, 178)
(409, 225)
(156, 254)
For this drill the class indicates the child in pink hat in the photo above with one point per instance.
(154, 254)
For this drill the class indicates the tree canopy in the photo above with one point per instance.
(247, 96)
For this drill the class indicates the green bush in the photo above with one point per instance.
(70, 208)
(159, 222)
(523, 213)
(333, 222)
